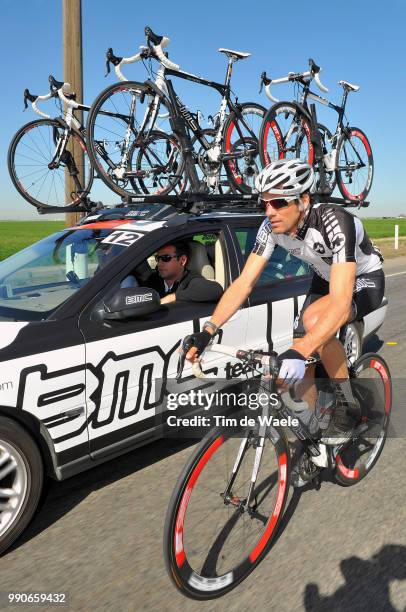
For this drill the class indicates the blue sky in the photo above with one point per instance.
(362, 42)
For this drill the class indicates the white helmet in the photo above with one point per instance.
(286, 178)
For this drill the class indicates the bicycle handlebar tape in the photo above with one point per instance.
(154, 38)
(164, 60)
(319, 83)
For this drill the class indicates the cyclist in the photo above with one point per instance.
(348, 281)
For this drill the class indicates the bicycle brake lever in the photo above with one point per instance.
(186, 345)
(111, 58)
(264, 81)
(314, 68)
(28, 96)
(181, 365)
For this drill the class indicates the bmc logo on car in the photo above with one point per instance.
(136, 299)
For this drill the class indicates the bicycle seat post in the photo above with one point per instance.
(229, 72)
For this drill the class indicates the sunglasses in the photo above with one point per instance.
(277, 203)
(165, 258)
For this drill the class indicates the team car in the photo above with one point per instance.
(80, 353)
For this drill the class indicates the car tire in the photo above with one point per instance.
(353, 341)
(21, 480)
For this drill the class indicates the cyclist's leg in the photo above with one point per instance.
(340, 399)
(368, 293)
(332, 353)
(306, 389)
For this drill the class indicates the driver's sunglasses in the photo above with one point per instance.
(277, 204)
(165, 258)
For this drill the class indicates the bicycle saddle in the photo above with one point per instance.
(237, 55)
(348, 86)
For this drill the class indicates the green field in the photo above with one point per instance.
(16, 235)
(384, 228)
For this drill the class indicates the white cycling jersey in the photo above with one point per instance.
(329, 234)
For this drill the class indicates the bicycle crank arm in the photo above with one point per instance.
(144, 173)
(237, 155)
(351, 168)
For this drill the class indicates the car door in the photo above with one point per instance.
(128, 359)
(279, 293)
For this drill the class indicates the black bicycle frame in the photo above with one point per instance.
(340, 110)
(315, 133)
(224, 91)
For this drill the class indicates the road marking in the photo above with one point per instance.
(391, 343)
(395, 274)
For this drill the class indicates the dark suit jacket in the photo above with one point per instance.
(192, 287)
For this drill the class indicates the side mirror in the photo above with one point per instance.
(127, 303)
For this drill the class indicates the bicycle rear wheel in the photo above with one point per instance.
(285, 134)
(240, 144)
(119, 124)
(39, 162)
(211, 542)
(355, 165)
(372, 387)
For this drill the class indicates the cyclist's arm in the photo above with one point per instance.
(341, 289)
(239, 290)
(236, 294)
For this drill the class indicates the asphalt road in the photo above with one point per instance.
(98, 536)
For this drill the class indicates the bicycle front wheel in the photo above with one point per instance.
(119, 124)
(240, 146)
(355, 165)
(285, 134)
(41, 156)
(372, 387)
(212, 538)
(159, 165)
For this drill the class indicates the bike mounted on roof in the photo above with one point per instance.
(291, 129)
(154, 150)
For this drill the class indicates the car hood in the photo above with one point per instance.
(9, 331)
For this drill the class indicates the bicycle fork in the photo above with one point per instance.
(245, 504)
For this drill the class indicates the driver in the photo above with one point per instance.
(347, 284)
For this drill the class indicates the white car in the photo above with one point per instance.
(77, 381)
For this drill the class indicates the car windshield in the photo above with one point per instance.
(35, 281)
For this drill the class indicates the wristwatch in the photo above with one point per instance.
(210, 327)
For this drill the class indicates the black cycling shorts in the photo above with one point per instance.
(369, 290)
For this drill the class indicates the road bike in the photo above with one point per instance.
(153, 158)
(44, 152)
(291, 129)
(229, 500)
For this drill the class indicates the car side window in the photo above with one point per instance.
(282, 264)
(208, 257)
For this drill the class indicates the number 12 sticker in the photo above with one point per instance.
(122, 238)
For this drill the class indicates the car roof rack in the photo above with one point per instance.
(188, 202)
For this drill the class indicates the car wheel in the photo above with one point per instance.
(353, 341)
(21, 480)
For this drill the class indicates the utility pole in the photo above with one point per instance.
(73, 74)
